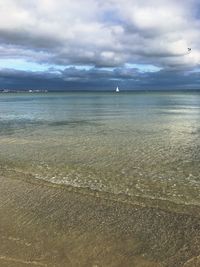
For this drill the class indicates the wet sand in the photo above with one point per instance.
(46, 225)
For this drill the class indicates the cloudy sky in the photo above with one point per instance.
(97, 44)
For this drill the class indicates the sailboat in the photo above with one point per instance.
(117, 89)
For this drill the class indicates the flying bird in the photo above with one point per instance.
(189, 49)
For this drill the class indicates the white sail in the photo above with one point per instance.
(117, 89)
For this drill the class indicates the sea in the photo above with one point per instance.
(126, 144)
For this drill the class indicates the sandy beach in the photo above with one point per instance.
(46, 225)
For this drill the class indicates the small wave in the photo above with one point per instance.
(141, 200)
(101, 191)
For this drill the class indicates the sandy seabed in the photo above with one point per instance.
(46, 225)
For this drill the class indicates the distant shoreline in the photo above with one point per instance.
(10, 91)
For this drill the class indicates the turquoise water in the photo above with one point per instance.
(135, 144)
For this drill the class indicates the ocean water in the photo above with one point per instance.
(144, 144)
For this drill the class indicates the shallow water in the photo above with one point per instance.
(132, 144)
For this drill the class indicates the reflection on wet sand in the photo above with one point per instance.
(47, 225)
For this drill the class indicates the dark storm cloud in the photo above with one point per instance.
(25, 39)
(98, 79)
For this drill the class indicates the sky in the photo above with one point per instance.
(98, 45)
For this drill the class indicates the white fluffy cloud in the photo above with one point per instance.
(91, 32)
